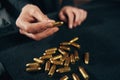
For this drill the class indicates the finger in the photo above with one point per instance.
(36, 27)
(70, 19)
(62, 16)
(41, 35)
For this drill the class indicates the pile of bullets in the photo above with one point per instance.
(58, 60)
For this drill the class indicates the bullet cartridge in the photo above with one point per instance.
(56, 57)
(47, 66)
(76, 55)
(45, 57)
(49, 52)
(33, 69)
(51, 49)
(67, 61)
(64, 77)
(65, 48)
(65, 43)
(86, 58)
(37, 60)
(84, 73)
(64, 57)
(74, 39)
(76, 45)
(59, 23)
(52, 70)
(72, 58)
(62, 52)
(32, 65)
(63, 70)
(75, 76)
(56, 62)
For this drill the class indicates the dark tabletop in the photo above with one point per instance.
(99, 35)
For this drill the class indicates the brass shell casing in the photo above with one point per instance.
(47, 66)
(65, 43)
(64, 77)
(86, 58)
(65, 48)
(62, 52)
(45, 57)
(63, 70)
(72, 58)
(74, 39)
(33, 69)
(76, 55)
(75, 76)
(59, 23)
(67, 61)
(57, 62)
(51, 49)
(52, 70)
(32, 65)
(38, 60)
(56, 57)
(84, 73)
(76, 45)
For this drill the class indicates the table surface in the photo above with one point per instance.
(99, 35)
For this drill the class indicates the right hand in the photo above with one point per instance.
(34, 24)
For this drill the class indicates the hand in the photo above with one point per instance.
(34, 24)
(74, 16)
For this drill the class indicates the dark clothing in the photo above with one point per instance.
(45, 5)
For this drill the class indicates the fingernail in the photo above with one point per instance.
(70, 26)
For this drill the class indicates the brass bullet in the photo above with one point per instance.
(65, 43)
(37, 60)
(67, 61)
(63, 70)
(62, 52)
(84, 73)
(52, 70)
(76, 55)
(51, 49)
(56, 57)
(65, 48)
(74, 39)
(45, 57)
(72, 58)
(86, 58)
(33, 65)
(57, 62)
(59, 23)
(33, 69)
(47, 66)
(49, 52)
(75, 76)
(64, 77)
(64, 57)
(76, 45)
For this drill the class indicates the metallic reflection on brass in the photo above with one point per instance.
(76, 45)
(47, 66)
(63, 70)
(74, 39)
(76, 55)
(64, 77)
(38, 60)
(52, 70)
(75, 76)
(86, 58)
(51, 49)
(84, 73)
(46, 57)
(33, 69)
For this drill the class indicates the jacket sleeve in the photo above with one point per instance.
(18, 4)
(67, 2)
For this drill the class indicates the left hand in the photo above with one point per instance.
(74, 16)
